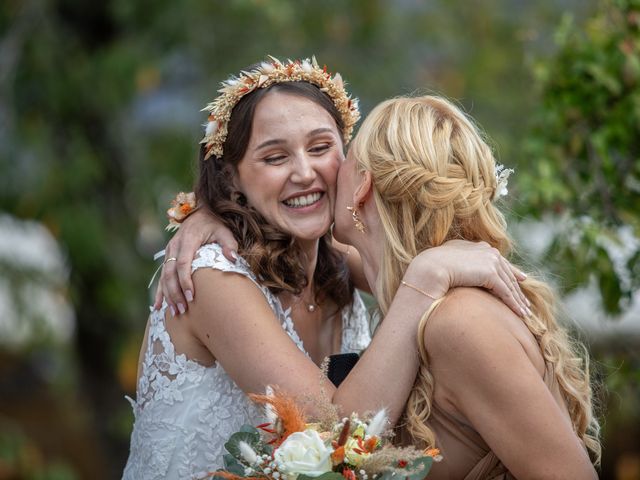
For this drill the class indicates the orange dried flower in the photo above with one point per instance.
(432, 452)
(287, 411)
(337, 456)
(370, 444)
(348, 474)
(182, 206)
(231, 476)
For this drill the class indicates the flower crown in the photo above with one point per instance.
(265, 75)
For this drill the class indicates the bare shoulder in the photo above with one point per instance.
(471, 326)
(468, 315)
(226, 297)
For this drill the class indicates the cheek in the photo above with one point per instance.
(331, 173)
(258, 185)
(342, 181)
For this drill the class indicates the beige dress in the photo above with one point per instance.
(466, 456)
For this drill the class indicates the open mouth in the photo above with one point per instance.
(303, 200)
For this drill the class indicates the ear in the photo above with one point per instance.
(233, 176)
(364, 190)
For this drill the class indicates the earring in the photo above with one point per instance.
(360, 226)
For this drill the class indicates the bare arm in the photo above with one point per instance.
(232, 319)
(485, 371)
(463, 263)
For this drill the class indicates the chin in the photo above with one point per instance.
(312, 233)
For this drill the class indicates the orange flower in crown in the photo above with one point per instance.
(267, 74)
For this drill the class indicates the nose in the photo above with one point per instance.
(303, 170)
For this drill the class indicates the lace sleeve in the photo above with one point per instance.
(211, 256)
(356, 333)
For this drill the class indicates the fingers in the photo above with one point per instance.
(501, 281)
(169, 282)
(504, 289)
(512, 273)
(519, 274)
(228, 243)
(185, 257)
(508, 286)
(157, 303)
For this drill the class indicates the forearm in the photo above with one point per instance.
(387, 370)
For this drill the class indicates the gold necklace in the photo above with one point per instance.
(310, 306)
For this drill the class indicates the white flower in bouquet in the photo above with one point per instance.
(303, 453)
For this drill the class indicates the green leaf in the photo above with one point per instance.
(216, 477)
(253, 439)
(232, 465)
(324, 476)
(388, 475)
(249, 429)
(421, 467)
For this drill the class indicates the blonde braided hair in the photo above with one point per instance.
(434, 180)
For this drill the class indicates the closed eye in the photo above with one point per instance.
(276, 160)
(320, 148)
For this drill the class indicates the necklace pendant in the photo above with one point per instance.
(311, 308)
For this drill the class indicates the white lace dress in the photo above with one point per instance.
(184, 412)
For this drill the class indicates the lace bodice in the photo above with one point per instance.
(184, 411)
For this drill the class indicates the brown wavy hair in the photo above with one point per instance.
(434, 180)
(272, 254)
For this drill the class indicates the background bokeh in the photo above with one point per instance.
(99, 126)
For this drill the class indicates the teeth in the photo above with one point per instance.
(303, 200)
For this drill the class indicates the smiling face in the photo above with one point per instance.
(288, 172)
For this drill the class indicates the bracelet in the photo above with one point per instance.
(418, 290)
(181, 207)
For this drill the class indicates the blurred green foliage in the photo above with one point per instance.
(20, 458)
(585, 152)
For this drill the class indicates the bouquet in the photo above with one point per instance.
(287, 447)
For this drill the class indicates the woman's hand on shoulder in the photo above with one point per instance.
(460, 263)
(176, 285)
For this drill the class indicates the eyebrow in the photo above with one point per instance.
(277, 141)
(269, 142)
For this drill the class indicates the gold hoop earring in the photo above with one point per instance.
(360, 226)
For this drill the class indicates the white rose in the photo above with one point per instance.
(303, 453)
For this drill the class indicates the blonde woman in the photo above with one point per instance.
(502, 396)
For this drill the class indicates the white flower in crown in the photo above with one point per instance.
(265, 75)
(502, 180)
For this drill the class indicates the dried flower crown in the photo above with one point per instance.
(265, 75)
